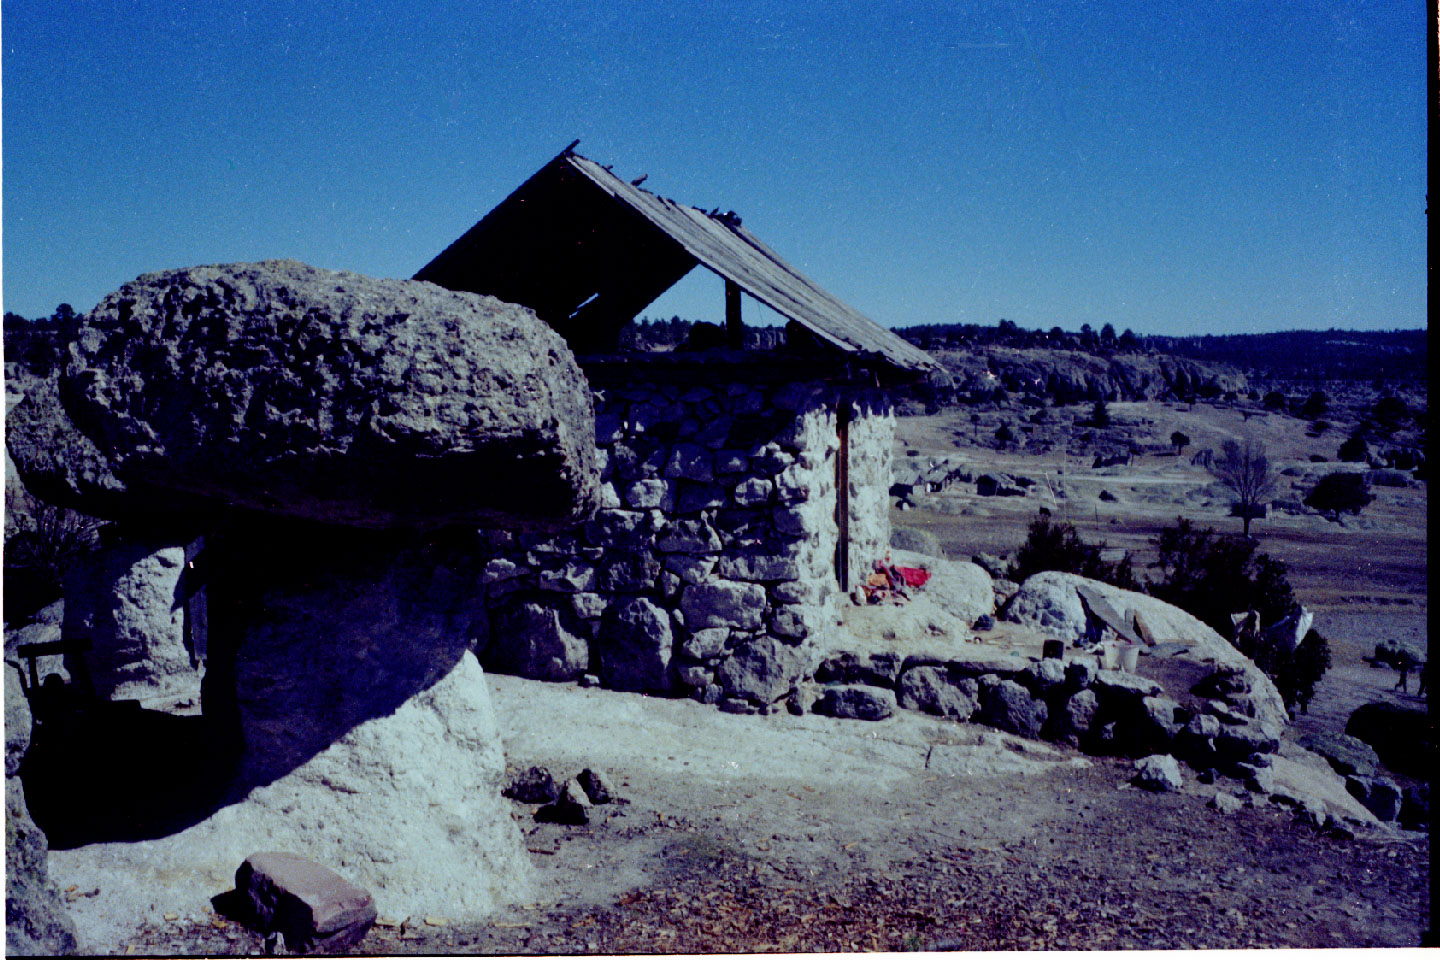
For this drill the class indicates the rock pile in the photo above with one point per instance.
(1051, 602)
(569, 803)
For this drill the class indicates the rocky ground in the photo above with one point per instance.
(800, 834)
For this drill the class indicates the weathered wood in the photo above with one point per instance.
(734, 326)
(564, 235)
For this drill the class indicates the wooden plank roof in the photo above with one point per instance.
(585, 249)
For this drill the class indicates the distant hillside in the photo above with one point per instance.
(1295, 355)
(1311, 354)
(1075, 376)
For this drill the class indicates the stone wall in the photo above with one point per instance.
(708, 567)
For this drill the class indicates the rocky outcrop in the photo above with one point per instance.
(1070, 376)
(314, 394)
(340, 670)
(36, 923)
(1399, 735)
(1051, 602)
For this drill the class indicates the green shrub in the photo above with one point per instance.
(1100, 414)
(1340, 493)
(1052, 545)
(1354, 450)
(1213, 575)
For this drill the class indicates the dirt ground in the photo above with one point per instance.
(800, 834)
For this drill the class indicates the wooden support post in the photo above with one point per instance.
(842, 496)
(734, 327)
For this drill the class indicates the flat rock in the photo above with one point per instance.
(1345, 754)
(857, 702)
(308, 393)
(313, 906)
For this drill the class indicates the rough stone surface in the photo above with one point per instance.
(532, 785)
(1345, 754)
(36, 924)
(1158, 772)
(311, 905)
(723, 603)
(761, 671)
(368, 740)
(1006, 705)
(1078, 716)
(330, 396)
(128, 599)
(963, 590)
(1050, 602)
(634, 647)
(856, 702)
(935, 691)
(533, 640)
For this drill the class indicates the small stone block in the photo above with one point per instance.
(311, 905)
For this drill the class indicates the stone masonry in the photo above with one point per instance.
(710, 563)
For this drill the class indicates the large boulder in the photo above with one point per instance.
(340, 669)
(962, 590)
(36, 924)
(1346, 754)
(304, 392)
(1401, 736)
(1051, 602)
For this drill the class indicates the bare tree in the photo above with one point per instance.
(1244, 467)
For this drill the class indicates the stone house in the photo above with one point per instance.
(744, 490)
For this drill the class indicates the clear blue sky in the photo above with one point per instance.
(1175, 168)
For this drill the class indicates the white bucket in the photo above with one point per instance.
(1109, 656)
(1129, 658)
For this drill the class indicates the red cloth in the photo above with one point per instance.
(914, 576)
